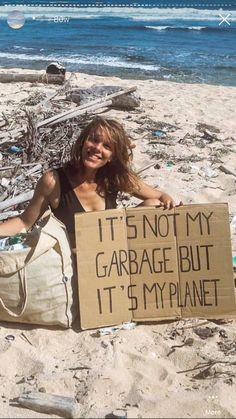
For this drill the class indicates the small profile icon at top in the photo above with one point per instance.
(16, 19)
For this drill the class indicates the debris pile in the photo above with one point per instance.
(40, 133)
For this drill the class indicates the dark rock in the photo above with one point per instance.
(55, 68)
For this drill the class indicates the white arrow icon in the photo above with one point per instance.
(225, 19)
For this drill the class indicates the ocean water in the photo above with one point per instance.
(164, 40)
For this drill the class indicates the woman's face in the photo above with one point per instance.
(97, 150)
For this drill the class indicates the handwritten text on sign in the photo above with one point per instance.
(151, 263)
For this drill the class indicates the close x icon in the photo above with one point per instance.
(224, 19)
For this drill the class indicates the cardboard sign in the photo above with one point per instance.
(151, 264)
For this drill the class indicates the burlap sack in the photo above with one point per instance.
(36, 282)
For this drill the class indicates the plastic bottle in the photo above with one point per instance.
(13, 243)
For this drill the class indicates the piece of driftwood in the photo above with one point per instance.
(3, 123)
(19, 199)
(34, 171)
(9, 214)
(85, 107)
(3, 196)
(5, 118)
(147, 167)
(21, 165)
(72, 113)
(227, 171)
(45, 101)
(82, 96)
(76, 112)
(12, 134)
(32, 78)
(66, 407)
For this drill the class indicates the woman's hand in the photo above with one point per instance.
(167, 201)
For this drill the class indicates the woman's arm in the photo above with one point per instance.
(35, 209)
(153, 197)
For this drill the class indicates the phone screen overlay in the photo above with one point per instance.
(61, 64)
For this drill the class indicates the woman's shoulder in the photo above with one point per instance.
(49, 180)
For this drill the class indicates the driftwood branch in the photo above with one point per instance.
(21, 165)
(207, 364)
(3, 123)
(9, 214)
(227, 171)
(19, 199)
(13, 134)
(100, 103)
(32, 78)
(147, 167)
(77, 112)
(57, 92)
(84, 108)
(51, 404)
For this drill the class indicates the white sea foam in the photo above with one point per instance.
(157, 28)
(196, 28)
(23, 48)
(80, 60)
(163, 28)
(108, 61)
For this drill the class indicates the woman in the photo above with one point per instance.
(100, 167)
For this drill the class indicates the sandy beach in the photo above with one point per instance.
(135, 367)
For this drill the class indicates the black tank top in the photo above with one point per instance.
(69, 204)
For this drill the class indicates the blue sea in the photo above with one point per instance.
(166, 40)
